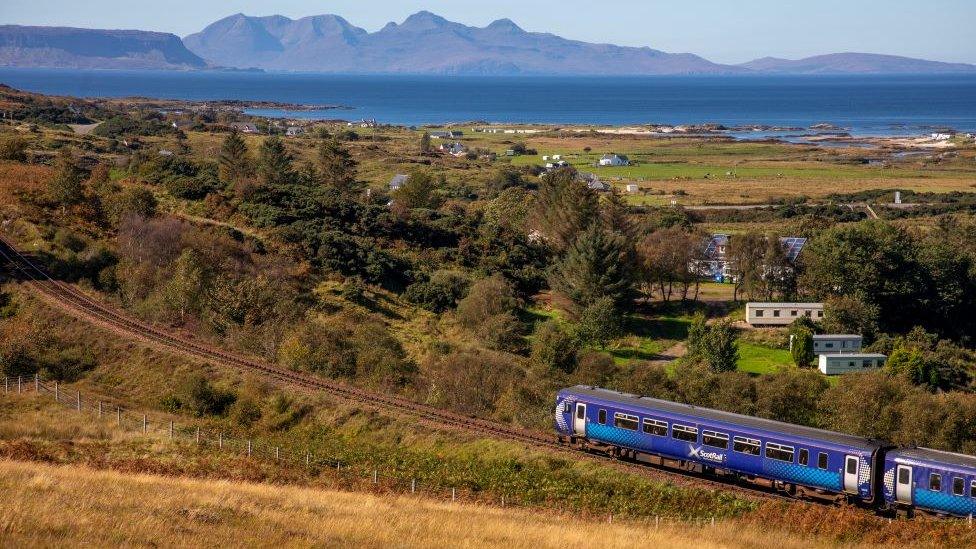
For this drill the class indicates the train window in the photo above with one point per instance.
(715, 440)
(958, 486)
(580, 412)
(822, 461)
(779, 452)
(851, 466)
(972, 489)
(625, 421)
(602, 417)
(746, 446)
(804, 456)
(682, 432)
(904, 475)
(935, 482)
(655, 427)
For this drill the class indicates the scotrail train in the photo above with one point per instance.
(801, 461)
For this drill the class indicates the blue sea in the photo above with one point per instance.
(862, 105)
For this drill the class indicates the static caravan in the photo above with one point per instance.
(781, 314)
(843, 363)
(837, 343)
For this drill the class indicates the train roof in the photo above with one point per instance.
(928, 454)
(778, 427)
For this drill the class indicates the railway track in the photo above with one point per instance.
(79, 304)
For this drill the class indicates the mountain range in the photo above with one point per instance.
(424, 43)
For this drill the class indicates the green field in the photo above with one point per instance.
(756, 359)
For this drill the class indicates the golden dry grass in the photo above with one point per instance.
(58, 506)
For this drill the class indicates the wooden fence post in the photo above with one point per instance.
(145, 424)
(78, 400)
(99, 409)
(37, 383)
(248, 447)
(6, 384)
(220, 440)
(453, 494)
(413, 485)
(198, 434)
(374, 476)
(57, 394)
(118, 414)
(308, 459)
(277, 454)
(18, 384)
(171, 429)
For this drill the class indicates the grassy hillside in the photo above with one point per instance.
(55, 506)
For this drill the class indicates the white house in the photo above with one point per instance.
(782, 314)
(843, 363)
(614, 160)
(834, 343)
(632, 188)
(454, 149)
(294, 131)
(398, 181)
(837, 343)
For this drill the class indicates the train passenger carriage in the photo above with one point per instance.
(800, 460)
(931, 481)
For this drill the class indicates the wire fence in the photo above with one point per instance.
(113, 413)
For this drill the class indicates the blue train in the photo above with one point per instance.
(803, 462)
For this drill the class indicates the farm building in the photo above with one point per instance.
(781, 314)
(843, 363)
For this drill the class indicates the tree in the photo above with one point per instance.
(554, 349)
(65, 186)
(848, 314)
(596, 266)
(564, 208)
(668, 257)
(233, 160)
(599, 323)
(721, 350)
(746, 256)
(338, 167)
(425, 143)
(187, 286)
(697, 336)
(489, 311)
(615, 214)
(801, 347)
(419, 191)
(275, 163)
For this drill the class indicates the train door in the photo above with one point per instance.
(579, 419)
(852, 464)
(903, 485)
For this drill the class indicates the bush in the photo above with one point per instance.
(199, 397)
(554, 349)
(13, 148)
(470, 382)
(489, 312)
(438, 294)
(600, 323)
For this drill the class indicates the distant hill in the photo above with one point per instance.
(855, 63)
(424, 43)
(64, 47)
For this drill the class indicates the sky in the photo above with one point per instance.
(725, 31)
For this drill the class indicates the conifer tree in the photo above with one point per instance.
(564, 207)
(595, 266)
(275, 163)
(338, 167)
(233, 159)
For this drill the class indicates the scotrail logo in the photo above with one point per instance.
(706, 455)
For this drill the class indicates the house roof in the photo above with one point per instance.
(793, 246)
(782, 305)
(856, 355)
